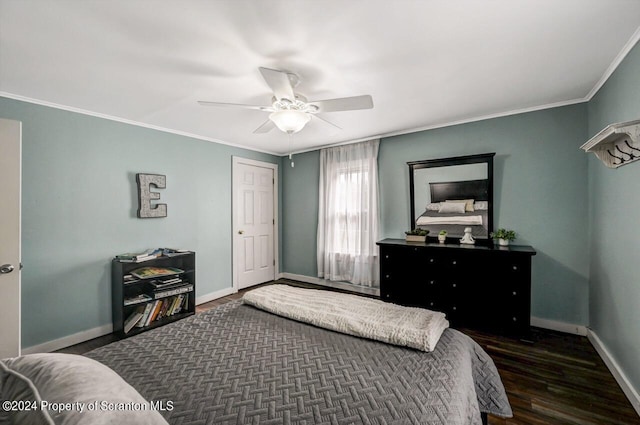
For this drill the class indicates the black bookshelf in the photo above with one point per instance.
(173, 301)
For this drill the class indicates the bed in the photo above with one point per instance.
(238, 364)
(435, 219)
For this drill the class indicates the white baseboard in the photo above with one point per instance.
(555, 325)
(69, 340)
(615, 370)
(215, 295)
(77, 338)
(331, 284)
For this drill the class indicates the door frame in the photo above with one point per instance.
(236, 160)
(14, 128)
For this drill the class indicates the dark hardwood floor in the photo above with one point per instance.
(554, 379)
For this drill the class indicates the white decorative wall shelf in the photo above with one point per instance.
(616, 144)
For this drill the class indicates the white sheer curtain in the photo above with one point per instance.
(348, 216)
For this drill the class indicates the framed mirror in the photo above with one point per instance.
(452, 194)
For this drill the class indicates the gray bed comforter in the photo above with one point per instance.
(236, 364)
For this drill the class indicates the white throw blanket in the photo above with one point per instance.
(352, 314)
(472, 220)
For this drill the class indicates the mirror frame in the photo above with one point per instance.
(458, 160)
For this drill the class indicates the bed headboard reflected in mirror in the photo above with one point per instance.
(466, 181)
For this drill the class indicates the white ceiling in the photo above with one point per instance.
(425, 63)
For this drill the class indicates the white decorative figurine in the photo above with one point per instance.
(467, 238)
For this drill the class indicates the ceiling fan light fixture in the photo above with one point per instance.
(290, 121)
(291, 111)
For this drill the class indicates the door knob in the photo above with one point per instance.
(6, 268)
(240, 232)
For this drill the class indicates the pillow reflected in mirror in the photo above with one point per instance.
(452, 207)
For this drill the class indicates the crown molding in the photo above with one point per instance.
(128, 121)
(614, 65)
(449, 124)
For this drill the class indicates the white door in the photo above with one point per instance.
(10, 162)
(253, 222)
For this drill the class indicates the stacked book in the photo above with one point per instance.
(165, 282)
(149, 254)
(156, 310)
(174, 290)
(171, 252)
(137, 299)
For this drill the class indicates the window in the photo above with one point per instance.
(348, 217)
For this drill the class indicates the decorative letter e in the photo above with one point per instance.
(145, 195)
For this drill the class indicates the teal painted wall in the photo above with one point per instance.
(540, 192)
(614, 203)
(300, 213)
(79, 209)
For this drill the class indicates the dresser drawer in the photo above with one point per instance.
(430, 293)
(512, 268)
(391, 260)
(396, 282)
(511, 323)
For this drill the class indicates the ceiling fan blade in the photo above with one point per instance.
(279, 83)
(344, 103)
(265, 127)
(236, 105)
(327, 121)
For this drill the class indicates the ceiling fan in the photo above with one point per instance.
(290, 111)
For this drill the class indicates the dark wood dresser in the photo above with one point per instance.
(480, 287)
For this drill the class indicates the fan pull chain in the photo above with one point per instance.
(290, 154)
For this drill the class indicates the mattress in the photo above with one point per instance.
(235, 364)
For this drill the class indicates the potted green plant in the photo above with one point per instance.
(442, 236)
(504, 236)
(416, 235)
